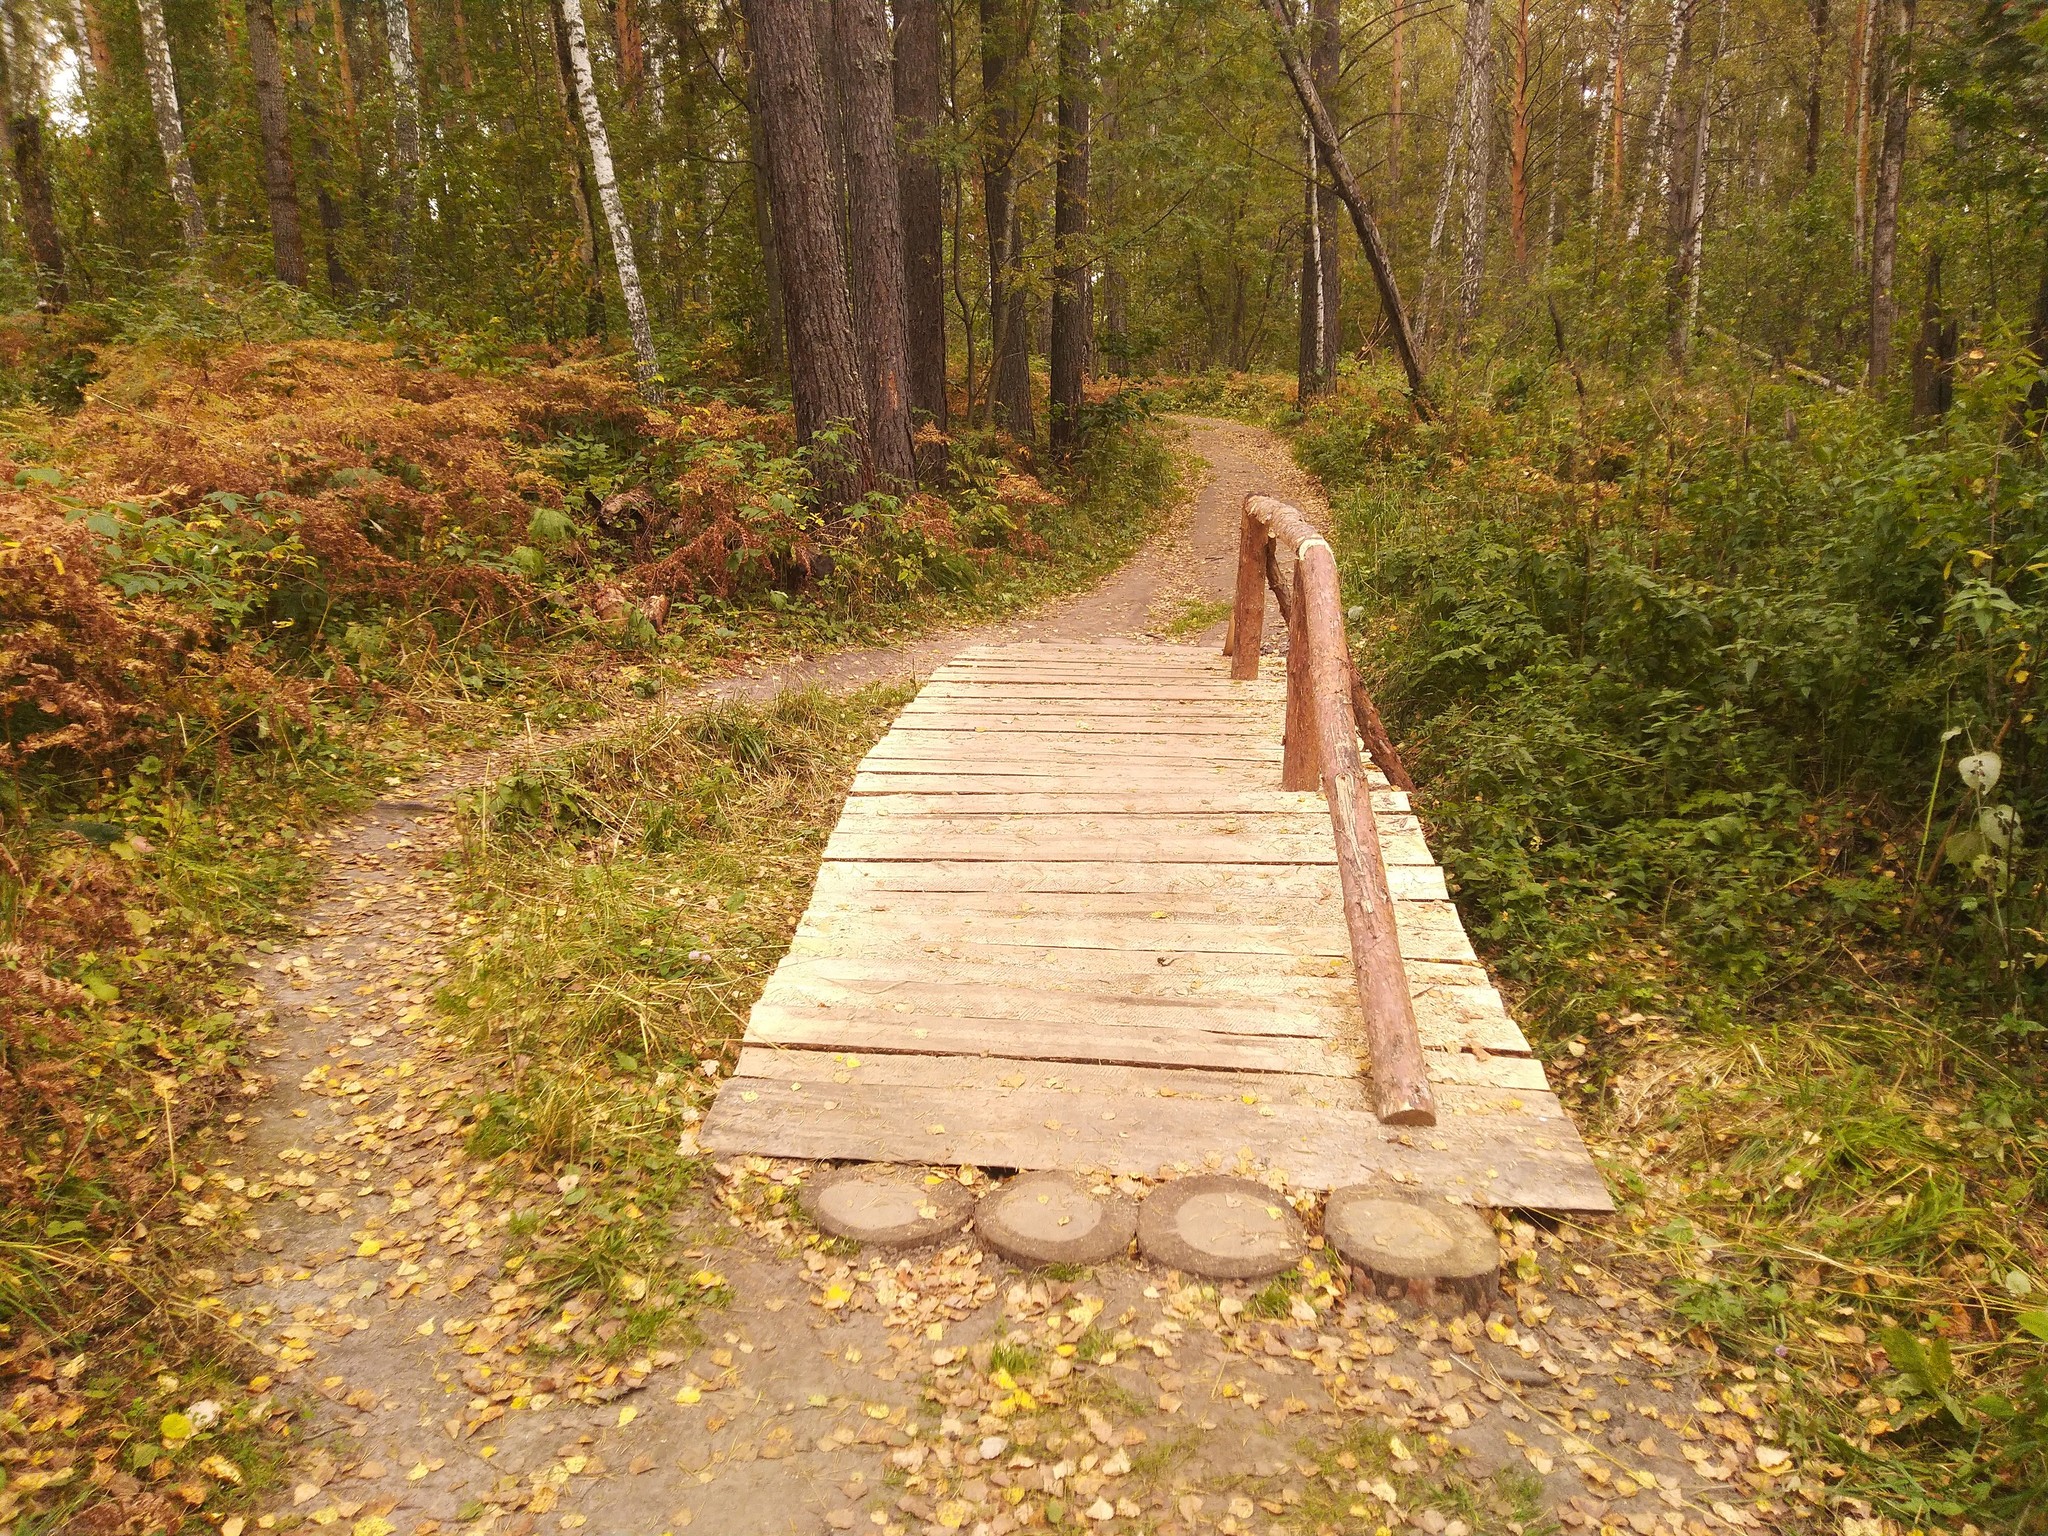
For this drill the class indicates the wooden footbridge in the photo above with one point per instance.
(1129, 907)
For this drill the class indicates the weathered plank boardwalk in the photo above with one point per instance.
(1069, 919)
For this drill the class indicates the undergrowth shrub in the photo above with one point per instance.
(1723, 699)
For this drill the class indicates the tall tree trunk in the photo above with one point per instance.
(2032, 416)
(170, 122)
(764, 223)
(462, 64)
(21, 102)
(632, 49)
(343, 63)
(405, 144)
(1322, 289)
(1895, 91)
(646, 368)
(280, 181)
(1816, 60)
(1478, 16)
(1478, 167)
(1396, 65)
(1332, 149)
(867, 114)
(1610, 107)
(919, 193)
(1518, 141)
(306, 64)
(93, 34)
(1860, 65)
(1073, 308)
(1003, 45)
(594, 319)
(1934, 350)
(1661, 145)
(1685, 306)
(824, 363)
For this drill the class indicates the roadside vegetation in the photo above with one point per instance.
(255, 568)
(1722, 692)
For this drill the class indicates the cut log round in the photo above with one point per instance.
(1414, 1247)
(1219, 1227)
(1053, 1218)
(885, 1206)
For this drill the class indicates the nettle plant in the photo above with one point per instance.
(1983, 845)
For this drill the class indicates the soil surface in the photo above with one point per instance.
(838, 1391)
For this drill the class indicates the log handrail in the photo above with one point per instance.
(1321, 747)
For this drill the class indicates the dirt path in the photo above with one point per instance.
(832, 1393)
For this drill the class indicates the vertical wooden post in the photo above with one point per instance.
(1298, 761)
(1248, 608)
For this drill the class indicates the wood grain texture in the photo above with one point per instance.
(1068, 918)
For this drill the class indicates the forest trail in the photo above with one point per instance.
(833, 1393)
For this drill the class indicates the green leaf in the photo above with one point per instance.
(2034, 1322)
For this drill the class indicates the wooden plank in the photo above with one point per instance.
(1221, 713)
(1164, 847)
(1007, 986)
(1009, 1071)
(883, 798)
(1529, 1159)
(842, 886)
(1427, 930)
(924, 1034)
(1249, 883)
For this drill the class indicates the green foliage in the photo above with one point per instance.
(1722, 697)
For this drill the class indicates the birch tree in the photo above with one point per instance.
(1893, 91)
(1609, 101)
(21, 102)
(645, 368)
(170, 122)
(1661, 146)
(405, 141)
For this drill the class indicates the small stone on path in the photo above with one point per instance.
(886, 1206)
(1052, 1218)
(1221, 1228)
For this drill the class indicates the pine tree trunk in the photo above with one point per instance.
(1321, 328)
(646, 368)
(867, 115)
(2035, 409)
(1073, 308)
(94, 36)
(1817, 14)
(306, 64)
(764, 224)
(1518, 141)
(1895, 92)
(343, 62)
(20, 102)
(405, 144)
(280, 181)
(1478, 163)
(824, 364)
(632, 49)
(595, 322)
(462, 65)
(1002, 52)
(170, 122)
(1661, 144)
(919, 191)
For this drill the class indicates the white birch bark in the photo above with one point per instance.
(1614, 34)
(1695, 233)
(1662, 148)
(1478, 17)
(88, 72)
(1478, 152)
(405, 143)
(644, 365)
(170, 122)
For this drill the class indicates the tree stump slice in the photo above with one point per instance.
(885, 1206)
(1220, 1228)
(1053, 1218)
(1415, 1247)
